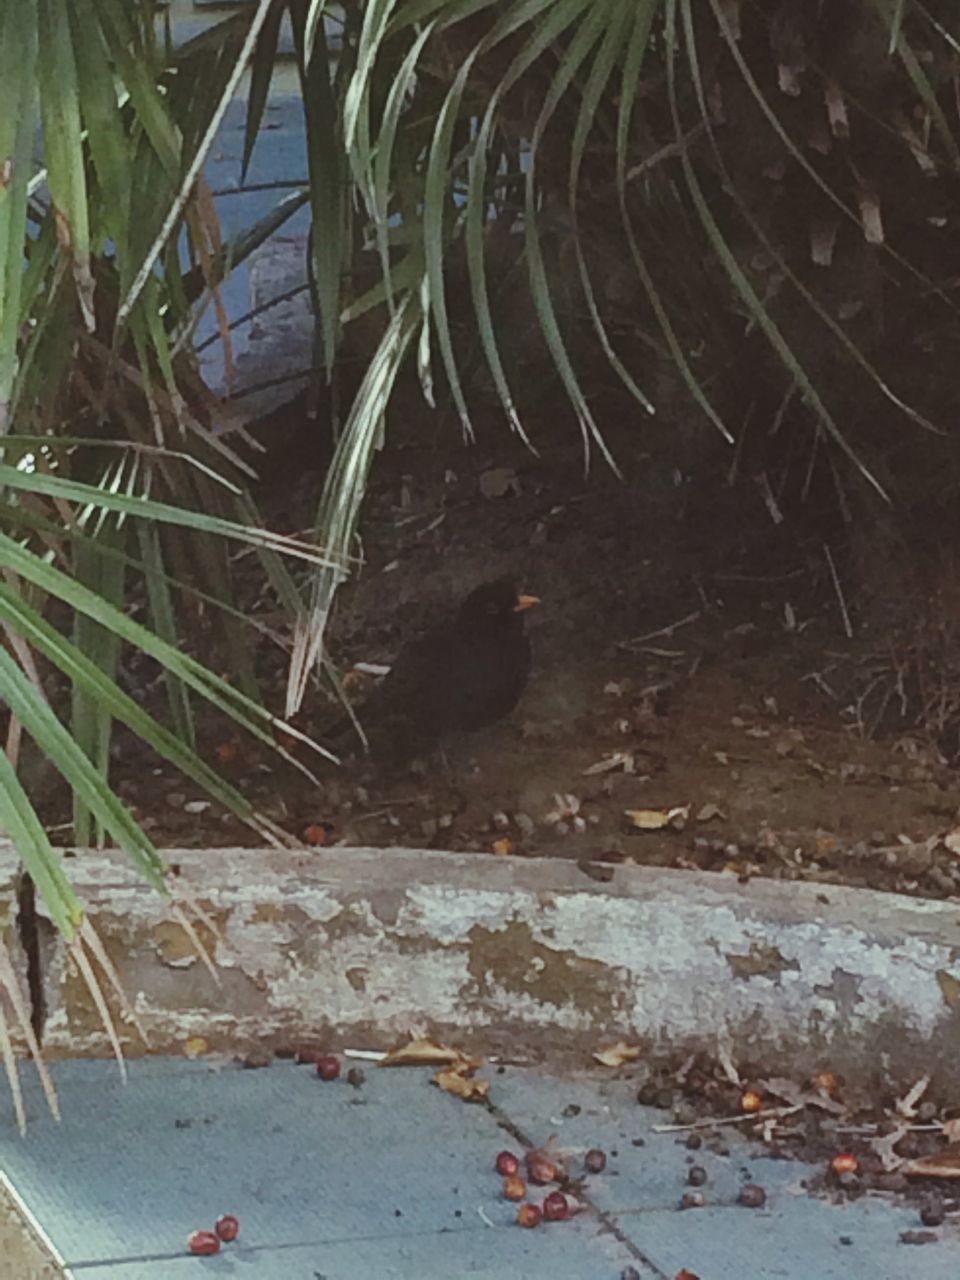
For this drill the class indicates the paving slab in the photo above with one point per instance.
(322, 1175)
(395, 1179)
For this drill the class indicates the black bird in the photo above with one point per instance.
(463, 674)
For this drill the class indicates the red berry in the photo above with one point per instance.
(507, 1164)
(227, 1227)
(203, 1242)
(514, 1188)
(328, 1066)
(845, 1162)
(555, 1207)
(529, 1215)
(595, 1161)
(752, 1196)
(541, 1170)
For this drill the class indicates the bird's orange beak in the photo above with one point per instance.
(525, 602)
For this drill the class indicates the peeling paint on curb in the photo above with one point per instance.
(521, 957)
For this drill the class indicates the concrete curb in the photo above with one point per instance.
(522, 957)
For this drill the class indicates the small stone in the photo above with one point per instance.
(175, 799)
(196, 806)
(629, 1273)
(932, 1214)
(694, 1142)
(570, 1110)
(356, 1077)
(697, 1175)
(692, 1200)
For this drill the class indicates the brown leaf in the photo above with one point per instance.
(498, 482)
(615, 1055)
(707, 812)
(950, 986)
(424, 1052)
(801, 1096)
(596, 872)
(870, 218)
(942, 1164)
(657, 819)
(458, 1080)
(836, 110)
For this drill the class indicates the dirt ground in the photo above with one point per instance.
(694, 698)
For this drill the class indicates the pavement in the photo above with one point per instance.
(395, 1180)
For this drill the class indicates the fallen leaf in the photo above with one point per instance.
(195, 1047)
(907, 1105)
(459, 1080)
(942, 1164)
(595, 871)
(615, 1055)
(707, 812)
(616, 760)
(503, 844)
(884, 1146)
(950, 986)
(424, 1052)
(498, 482)
(657, 819)
(801, 1096)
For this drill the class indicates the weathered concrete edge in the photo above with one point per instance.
(525, 956)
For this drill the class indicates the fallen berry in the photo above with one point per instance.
(328, 1066)
(203, 1242)
(750, 1100)
(541, 1170)
(845, 1162)
(752, 1196)
(692, 1200)
(555, 1206)
(356, 1078)
(595, 1161)
(529, 1215)
(514, 1188)
(227, 1227)
(507, 1164)
(826, 1080)
(684, 1274)
(697, 1175)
